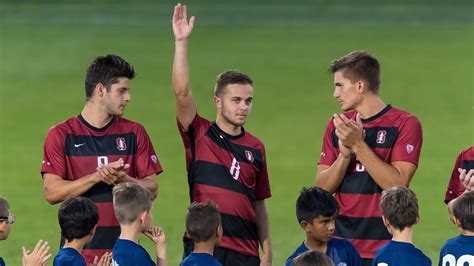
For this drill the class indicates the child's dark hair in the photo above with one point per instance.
(314, 202)
(77, 217)
(202, 221)
(399, 206)
(463, 210)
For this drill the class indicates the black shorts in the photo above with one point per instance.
(225, 256)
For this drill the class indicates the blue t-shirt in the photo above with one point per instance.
(129, 253)
(200, 259)
(341, 251)
(396, 253)
(68, 257)
(2, 262)
(457, 251)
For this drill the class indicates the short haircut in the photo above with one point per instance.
(202, 221)
(4, 207)
(314, 202)
(311, 258)
(77, 217)
(230, 77)
(463, 210)
(359, 65)
(130, 200)
(106, 70)
(399, 206)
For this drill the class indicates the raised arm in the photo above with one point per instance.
(185, 105)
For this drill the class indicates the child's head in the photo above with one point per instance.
(399, 208)
(312, 257)
(132, 203)
(5, 218)
(77, 218)
(203, 223)
(316, 211)
(463, 211)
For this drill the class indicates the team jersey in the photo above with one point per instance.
(457, 251)
(129, 253)
(396, 253)
(465, 160)
(2, 262)
(68, 257)
(341, 252)
(232, 172)
(200, 259)
(393, 135)
(74, 149)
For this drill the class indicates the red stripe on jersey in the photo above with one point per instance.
(359, 205)
(89, 254)
(367, 248)
(227, 201)
(242, 246)
(106, 214)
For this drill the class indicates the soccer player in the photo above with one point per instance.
(132, 205)
(40, 254)
(312, 258)
(203, 225)
(316, 211)
(78, 220)
(462, 176)
(90, 153)
(371, 147)
(225, 163)
(400, 213)
(460, 250)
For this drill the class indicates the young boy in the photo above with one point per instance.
(316, 211)
(460, 250)
(78, 220)
(40, 254)
(399, 214)
(132, 206)
(203, 225)
(312, 258)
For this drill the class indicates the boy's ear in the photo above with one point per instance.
(417, 218)
(385, 221)
(305, 226)
(457, 222)
(219, 231)
(142, 217)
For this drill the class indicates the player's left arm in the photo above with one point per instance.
(263, 229)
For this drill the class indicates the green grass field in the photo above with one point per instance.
(426, 52)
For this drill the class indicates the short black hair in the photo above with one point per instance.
(314, 202)
(202, 221)
(77, 217)
(107, 70)
(463, 210)
(230, 77)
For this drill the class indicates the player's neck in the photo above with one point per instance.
(467, 233)
(371, 106)
(403, 236)
(227, 127)
(204, 247)
(316, 245)
(95, 116)
(130, 232)
(77, 244)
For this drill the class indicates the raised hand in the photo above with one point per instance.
(181, 27)
(156, 234)
(39, 256)
(105, 260)
(349, 132)
(467, 178)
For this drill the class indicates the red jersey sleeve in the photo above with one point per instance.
(146, 161)
(54, 159)
(262, 186)
(455, 187)
(407, 147)
(196, 128)
(328, 152)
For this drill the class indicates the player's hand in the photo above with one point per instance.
(349, 132)
(467, 178)
(39, 256)
(156, 234)
(265, 261)
(181, 27)
(344, 151)
(113, 173)
(105, 260)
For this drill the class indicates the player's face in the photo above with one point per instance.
(235, 104)
(346, 92)
(4, 229)
(322, 228)
(117, 97)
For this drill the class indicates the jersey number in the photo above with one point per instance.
(450, 260)
(235, 169)
(102, 160)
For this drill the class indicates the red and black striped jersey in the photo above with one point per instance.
(232, 172)
(465, 160)
(393, 135)
(74, 149)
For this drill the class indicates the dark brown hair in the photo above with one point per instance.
(202, 221)
(230, 77)
(311, 258)
(399, 206)
(130, 200)
(463, 210)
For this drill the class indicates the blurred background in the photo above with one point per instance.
(425, 48)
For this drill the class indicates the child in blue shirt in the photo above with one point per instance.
(460, 250)
(316, 211)
(400, 213)
(78, 219)
(203, 225)
(132, 206)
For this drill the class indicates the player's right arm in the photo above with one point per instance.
(185, 105)
(56, 189)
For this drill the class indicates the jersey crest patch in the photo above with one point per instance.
(381, 134)
(410, 148)
(121, 145)
(249, 156)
